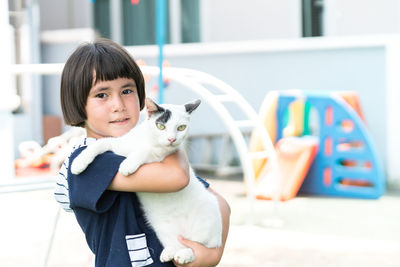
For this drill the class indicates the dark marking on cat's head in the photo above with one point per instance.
(191, 106)
(164, 117)
(152, 107)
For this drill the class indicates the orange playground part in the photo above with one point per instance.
(351, 98)
(295, 155)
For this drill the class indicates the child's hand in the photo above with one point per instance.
(204, 256)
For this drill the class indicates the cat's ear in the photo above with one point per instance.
(192, 106)
(152, 107)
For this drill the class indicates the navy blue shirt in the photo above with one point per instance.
(113, 222)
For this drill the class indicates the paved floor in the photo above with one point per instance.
(305, 231)
(312, 231)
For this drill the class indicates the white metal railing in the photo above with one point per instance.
(27, 184)
(45, 69)
(197, 82)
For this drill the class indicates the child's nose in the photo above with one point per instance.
(118, 104)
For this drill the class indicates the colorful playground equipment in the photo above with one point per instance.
(322, 144)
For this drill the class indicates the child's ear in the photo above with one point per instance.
(152, 107)
(192, 106)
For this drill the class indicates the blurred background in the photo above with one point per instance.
(255, 46)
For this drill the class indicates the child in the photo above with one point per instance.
(102, 90)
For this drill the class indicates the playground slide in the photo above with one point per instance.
(295, 155)
(346, 163)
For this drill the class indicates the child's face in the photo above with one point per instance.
(112, 108)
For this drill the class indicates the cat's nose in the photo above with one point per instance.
(171, 140)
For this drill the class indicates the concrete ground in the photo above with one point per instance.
(305, 231)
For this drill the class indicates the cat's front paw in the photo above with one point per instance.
(184, 256)
(167, 254)
(126, 167)
(79, 165)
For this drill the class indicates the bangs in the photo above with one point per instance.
(110, 66)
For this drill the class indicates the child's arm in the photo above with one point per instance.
(170, 175)
(207, 257)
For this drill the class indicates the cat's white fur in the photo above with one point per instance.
(192, 212)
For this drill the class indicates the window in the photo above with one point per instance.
(138, 22)
(190, 21)
(101, 16)
(312, 17)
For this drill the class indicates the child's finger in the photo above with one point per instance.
(187, 242)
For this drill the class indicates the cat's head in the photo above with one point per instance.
(169, 123)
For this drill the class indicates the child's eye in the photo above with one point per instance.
(181, 127)
(160, 126)
(101, 95)
(127, 91)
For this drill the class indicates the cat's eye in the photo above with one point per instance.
(181, 127)
(160, 126)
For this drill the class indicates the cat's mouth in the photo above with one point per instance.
(173, 144)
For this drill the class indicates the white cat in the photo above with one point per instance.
(192, 212)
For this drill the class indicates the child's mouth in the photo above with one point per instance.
(120, 121)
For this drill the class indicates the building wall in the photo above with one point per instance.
(227, 20)
(221, 20)
(360, 17)
(65, 14)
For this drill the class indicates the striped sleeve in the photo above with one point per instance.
(61, 192)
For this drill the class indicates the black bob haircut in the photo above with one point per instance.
(108, 61)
